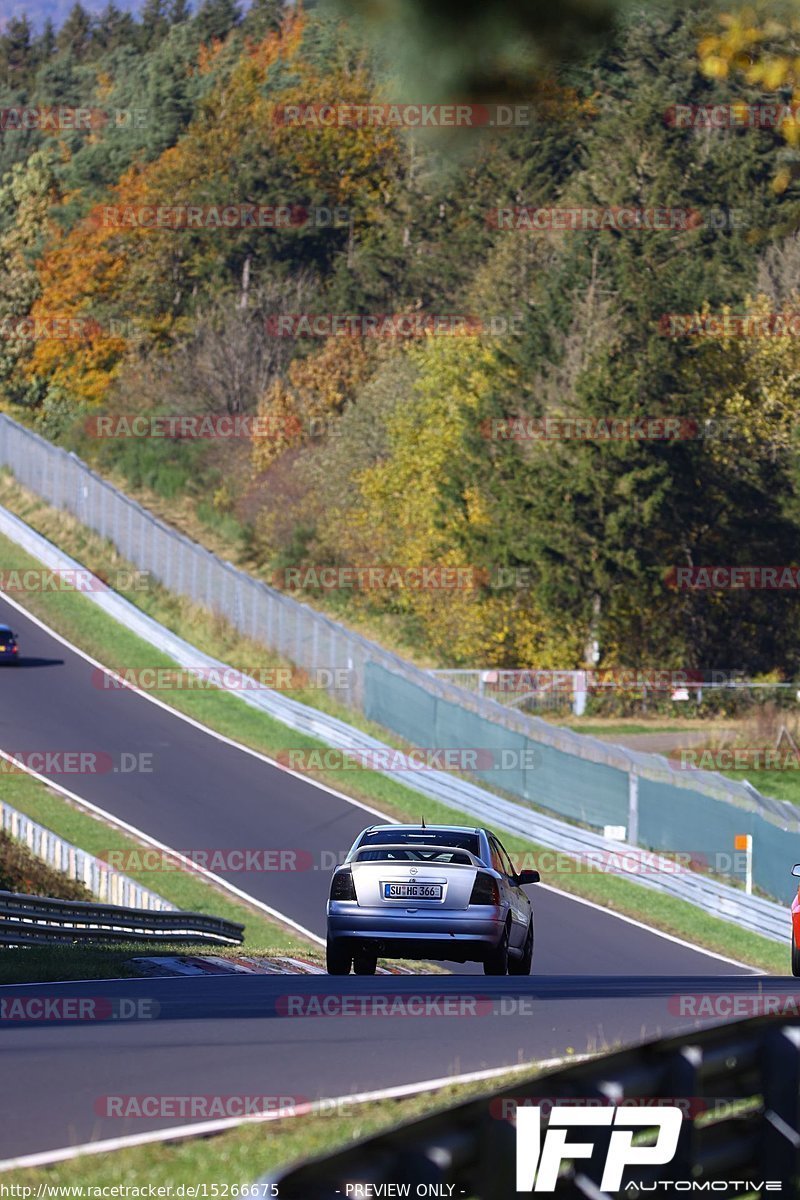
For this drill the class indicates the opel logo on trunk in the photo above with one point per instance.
(413, 870)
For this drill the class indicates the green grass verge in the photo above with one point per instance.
(783, 785)
(77, 618)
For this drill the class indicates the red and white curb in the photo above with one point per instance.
(212, 964)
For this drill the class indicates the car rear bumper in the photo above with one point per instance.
(460, 936)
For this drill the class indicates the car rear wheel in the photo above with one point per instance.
(365, 963)
(795, 958)
(496, 961)
(522, 966)
(338, 957)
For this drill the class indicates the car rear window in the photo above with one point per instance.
(413, 854)
(422, 837)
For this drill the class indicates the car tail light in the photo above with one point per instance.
(342, 886)
(485, 889)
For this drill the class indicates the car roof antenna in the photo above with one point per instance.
(424, 826)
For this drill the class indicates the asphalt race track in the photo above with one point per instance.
(229, 1036)
(597, 979)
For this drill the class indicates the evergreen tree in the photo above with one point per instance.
(114, 28)
(75, 35)
(16, 51)
(45, 44)
(179, 11)
(154, 23)
(216, 18)
(263, 17)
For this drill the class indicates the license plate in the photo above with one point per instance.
(412, 891)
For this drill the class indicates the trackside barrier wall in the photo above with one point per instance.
(585, 791)
(577, 776)
(101, 880)
(470, 1149)
(678, 819)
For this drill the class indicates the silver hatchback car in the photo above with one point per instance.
(439, 891)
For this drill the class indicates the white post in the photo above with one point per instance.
(579, 693)
(633, 808)
(744, 841)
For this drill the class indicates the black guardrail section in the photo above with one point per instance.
(31, 920)
(738, 1086)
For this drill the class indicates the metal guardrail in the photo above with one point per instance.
(738, 1085)
(32, 920)
(103, 881)
(765, 917)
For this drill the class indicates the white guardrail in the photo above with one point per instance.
(760, 916)
(103, 881)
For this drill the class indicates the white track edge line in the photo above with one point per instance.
(204, 1128)
(670, 937)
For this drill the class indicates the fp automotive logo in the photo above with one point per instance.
(539, 1160)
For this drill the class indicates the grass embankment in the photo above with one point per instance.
(77, 618)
